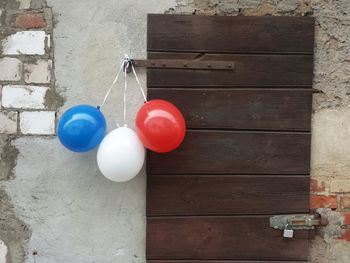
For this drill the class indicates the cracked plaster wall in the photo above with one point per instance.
(62, 196)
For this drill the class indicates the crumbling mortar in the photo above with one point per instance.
(8, 156)
(22, 82)
(329, 82)
(9, 30)
(25, 58)
(53, 99)
(14, 232)
(334, 228)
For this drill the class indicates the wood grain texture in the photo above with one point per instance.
(245, 237)
(221, 261)
(230, 34)
(229, 152)
(246, 155)
(227, 195)
(265, 109)
(250, 70)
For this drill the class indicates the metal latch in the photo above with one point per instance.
(182, 64)
(297, 221)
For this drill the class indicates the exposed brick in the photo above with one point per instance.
(10, 69)
(26, 43)
(8, 122)
(37, 122)
(345, 202)
(345, 235)
(317, 186)
(39, 72)
(323, 201)
(30, 20)
(340, 186)
(23, 97)
(346, 216)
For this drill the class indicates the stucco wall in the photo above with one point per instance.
(73, 214)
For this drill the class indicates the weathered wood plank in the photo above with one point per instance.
(220, 261)
(235, 152)
(265, 109)
(244, 237)
(249, 70)
(247, 151)
(227, 195)
(230, 34)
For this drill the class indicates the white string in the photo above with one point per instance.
(138, 82)
(126, 64)
(112, 85)
(136, 77)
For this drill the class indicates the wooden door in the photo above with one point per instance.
(246, 154)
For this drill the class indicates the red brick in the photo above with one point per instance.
(345, 235)
(30, 20)
(345, 201)
(317, 186)
(323, 201)
(346, 216)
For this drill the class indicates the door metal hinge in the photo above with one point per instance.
(297, 221)
(182, 64)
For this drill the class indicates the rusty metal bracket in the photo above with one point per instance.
(182, 64)
(297, 221)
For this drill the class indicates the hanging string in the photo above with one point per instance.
(126, 65)
(136, 77)
(112, 85)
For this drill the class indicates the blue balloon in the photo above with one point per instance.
(81, 128)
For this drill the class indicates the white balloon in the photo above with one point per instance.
(120, 155)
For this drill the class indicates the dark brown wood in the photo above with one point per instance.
(183, 64)
(229, 152)
(230, 34)
(221, 261)
(243, 237)
(264, 109)
(246, 155)
(250, 70)
(227, 195)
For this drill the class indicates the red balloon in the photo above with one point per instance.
(160, 126)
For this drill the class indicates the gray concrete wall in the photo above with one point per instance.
(72, 213)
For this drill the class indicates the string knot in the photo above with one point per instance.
(127, 64)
